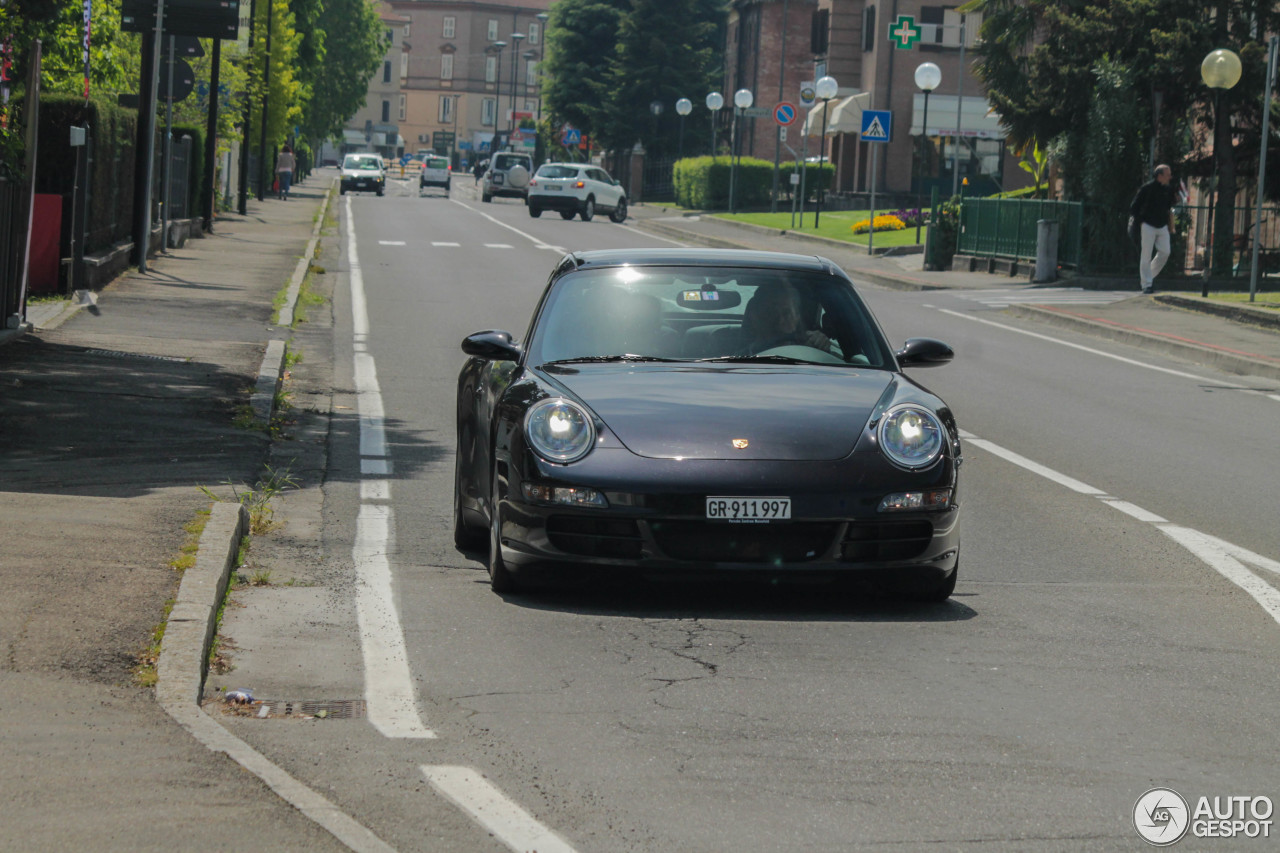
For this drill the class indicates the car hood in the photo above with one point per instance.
(796, 413)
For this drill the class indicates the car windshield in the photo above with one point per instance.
(558, 172)
(506, 161)
(703, 314)
(370, 162)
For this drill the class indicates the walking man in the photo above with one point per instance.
(1152, 209)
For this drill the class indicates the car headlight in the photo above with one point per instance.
(911, 437)
(559, 430)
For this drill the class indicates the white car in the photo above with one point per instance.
(576, 188)
(436, 172)
(362, 172)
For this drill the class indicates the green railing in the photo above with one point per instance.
(1008, 228)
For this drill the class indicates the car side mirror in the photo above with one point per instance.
(924, 352)
(492, 345)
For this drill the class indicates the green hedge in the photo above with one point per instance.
(702, 183)
(114, 132)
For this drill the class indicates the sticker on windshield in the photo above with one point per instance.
(700, 296)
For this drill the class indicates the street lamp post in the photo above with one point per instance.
(715, 101)
(928, 76)
(515, 49)
(1220, 70)
(683, 107)
(826, 89)
(1272, 46)
(542, 46)
(655, 108)
(496, 47)
(742, 99)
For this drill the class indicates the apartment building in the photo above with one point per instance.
(376, 125)
(872, 49)
(469, 74)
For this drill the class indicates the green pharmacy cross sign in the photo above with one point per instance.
(904, 32)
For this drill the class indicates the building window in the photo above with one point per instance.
(490, 69)
(530, 107)
(402, 107)
(450, 23)
(445, 114)
(531, 73)
(446, 66)
(404, 65)
(386, 71)
(941, 26)
(406, 30)
(391, 37)
(489, 111)
(386, 111)
(535, 33)
(493, 29)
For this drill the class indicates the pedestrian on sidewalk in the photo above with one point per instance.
(285, 164)
(1152, 212)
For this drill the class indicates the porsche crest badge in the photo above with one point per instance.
(739, 444)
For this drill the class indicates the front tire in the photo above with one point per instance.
(588, 209)
(500, 578)
(620, 212)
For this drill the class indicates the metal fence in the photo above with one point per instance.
(1008, 228)
(13, 242)
(658, 181)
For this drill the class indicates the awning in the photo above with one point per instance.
(977, 118)
(846, 115)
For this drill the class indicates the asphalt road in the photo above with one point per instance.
(1097, 645)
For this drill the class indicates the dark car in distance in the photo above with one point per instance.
(706, 411)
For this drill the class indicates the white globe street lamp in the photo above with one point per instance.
(683, 107)
(1220, 70)
(826, 89)
(715, 101)
(927, 76)
(742, 99)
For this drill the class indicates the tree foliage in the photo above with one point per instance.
(339, 55)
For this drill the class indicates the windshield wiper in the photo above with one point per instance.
(606, 359)
(760, 359)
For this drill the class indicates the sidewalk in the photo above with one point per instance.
(1239, 339)
(114, 413)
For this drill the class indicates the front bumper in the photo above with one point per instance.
(362, 184)
(834, 529)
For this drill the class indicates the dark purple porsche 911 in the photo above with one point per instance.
(706, 411)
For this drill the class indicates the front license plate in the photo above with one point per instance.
(748, 510)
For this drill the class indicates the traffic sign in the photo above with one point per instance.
(572, 136)
(808, 94)
(784, 113)
(877, 125)
(904, 32)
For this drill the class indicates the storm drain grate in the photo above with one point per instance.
(295, 709)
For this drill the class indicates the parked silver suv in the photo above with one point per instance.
(508, 175)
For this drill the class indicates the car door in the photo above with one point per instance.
(607, 194)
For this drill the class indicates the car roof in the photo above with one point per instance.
(744, 258)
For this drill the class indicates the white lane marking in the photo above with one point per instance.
(445, 245)
(1035, 467)
(375, 490)
(389, 698)
(390, 242)
(1223, 557)
(498, 246)
(537, 243)
(388, 684)
(646, 234)
(493, 810)
(1083, 348)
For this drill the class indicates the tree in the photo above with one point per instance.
(336, 66)
(581, 38)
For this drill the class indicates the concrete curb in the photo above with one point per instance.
(1225, 360)
(1249, 315)
(184, 658)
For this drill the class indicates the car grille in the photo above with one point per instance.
(595, 537)
(743, 543)
(876, 541)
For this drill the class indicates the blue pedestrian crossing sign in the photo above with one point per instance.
(572, 136)
(877, 125)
